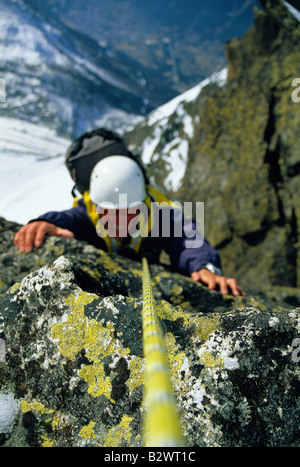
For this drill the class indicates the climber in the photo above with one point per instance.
(120, 213)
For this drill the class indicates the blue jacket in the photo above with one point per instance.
(183, 259)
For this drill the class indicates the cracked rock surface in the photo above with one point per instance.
(73, 371)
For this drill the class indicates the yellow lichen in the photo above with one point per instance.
(98, 383)
(14, 288)
(54, 422)
(209, 361)
(120, 434)
(166, 311)
(137, 272)
(99, 340)
(34, 406)
(204, 325)
(87, 431)
(71, 333)
(109, 263)
(77, 333)
(136, 368)
(99, 343)
(177, 290)
(47, 443)
(174, 356)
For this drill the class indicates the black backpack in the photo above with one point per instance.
(90, 148)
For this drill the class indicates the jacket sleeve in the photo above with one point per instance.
(75, 219)
(189, 251)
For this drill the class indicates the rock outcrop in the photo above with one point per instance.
(242, 153)
(71, 367)
(71, 343)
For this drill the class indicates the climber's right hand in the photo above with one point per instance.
(33, 234)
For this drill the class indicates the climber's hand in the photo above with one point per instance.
(33, 234)
(214, 281)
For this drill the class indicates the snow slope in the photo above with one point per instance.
(293, 10)
(172, 151)
(33, 177)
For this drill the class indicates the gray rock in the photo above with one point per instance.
(73, 369)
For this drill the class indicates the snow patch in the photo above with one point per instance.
(170, 107)
(9, 410)
(33, 175)
(177, 156)
(175, 152)
(293, 10)
(273, 321)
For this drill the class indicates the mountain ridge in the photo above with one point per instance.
(64, 79)
(182, 43)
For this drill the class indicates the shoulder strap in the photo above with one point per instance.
(90, 207)
(158, 196)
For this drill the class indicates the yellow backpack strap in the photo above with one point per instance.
(94, 216)
(158, 196)
(75, 201)
(90, 207)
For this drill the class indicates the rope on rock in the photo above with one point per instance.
(162, 427)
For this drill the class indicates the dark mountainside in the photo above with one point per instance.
(71, 358)
(63, 79)
(180, 44)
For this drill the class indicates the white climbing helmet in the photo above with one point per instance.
(117, 182)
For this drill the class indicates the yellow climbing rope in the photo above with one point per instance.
(162, 426)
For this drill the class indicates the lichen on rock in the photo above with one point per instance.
(74, 366)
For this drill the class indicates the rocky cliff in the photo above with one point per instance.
(71, 353)
(241, 154)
